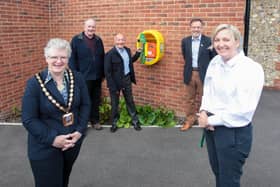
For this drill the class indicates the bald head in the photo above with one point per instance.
(119, 40)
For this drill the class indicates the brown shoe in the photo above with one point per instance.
(186, 127)
(97, 126)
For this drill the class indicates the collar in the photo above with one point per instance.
(49, 77)
(196, 39)
(119, 49)
(85, 36)
(234, 60)
(82, 35)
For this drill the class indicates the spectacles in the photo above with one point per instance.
(62, 58)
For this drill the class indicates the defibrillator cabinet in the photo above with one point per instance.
(152, 44)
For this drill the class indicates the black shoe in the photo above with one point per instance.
(137, 127)
(114, 128)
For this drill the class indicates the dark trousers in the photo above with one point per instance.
(55, 171)
(94, 90)
(228, 149)
(127, 93)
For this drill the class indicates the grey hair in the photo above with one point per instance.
(57, 43)
(232, 29)
(90, 19)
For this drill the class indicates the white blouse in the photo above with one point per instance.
(232, 90)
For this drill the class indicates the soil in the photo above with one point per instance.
(12, 119)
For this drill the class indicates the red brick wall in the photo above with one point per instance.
(28, 24)
(24, 30)
(162, 83)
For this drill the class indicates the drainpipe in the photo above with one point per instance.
(246, 26)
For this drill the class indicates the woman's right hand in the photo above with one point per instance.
(203, 121)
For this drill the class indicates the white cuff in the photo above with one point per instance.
(215, 120)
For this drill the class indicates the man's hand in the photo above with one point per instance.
(139, 50)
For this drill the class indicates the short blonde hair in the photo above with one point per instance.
(232, 29)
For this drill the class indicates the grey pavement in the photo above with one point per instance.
(153, 157)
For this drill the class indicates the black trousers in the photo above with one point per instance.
(228, 149)
(94, 90)
(55, 171)
(127, 93)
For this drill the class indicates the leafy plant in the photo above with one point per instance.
(165, 118)
(125, 119)
(105, 110)
(159, 116)
(16, 112)
(148, 116)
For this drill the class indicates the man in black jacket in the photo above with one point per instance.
(197, 55)
(119, 73)
(88, 58)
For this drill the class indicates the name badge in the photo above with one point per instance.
(68, 119)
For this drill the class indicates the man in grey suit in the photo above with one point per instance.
(197, 55)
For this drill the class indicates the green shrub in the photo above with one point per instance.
(16, 112)
(156, 116)
(148, 116)
(105, 110)
(125, 119)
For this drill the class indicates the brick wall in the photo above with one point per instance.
(24, 30)
(28, 24)
(162, 83)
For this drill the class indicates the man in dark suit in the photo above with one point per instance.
(88, 58)
(119, 73)
(197, 55)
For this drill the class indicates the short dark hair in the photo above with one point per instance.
(197, 19)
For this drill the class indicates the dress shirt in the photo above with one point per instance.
(125, 58)
(232, 90)
(195, 50)
(64, 91)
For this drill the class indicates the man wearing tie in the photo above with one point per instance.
(119, 73)
(197, 55)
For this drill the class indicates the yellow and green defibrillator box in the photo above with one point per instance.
(152, 43)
